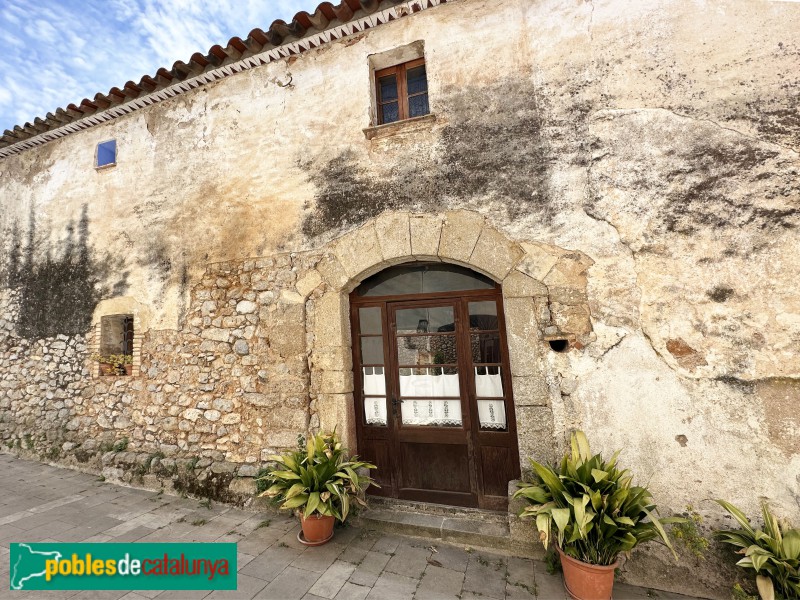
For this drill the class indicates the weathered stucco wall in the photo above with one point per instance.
(656, 142)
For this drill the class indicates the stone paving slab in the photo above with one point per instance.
(358, 564)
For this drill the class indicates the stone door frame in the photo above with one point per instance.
(544, 297)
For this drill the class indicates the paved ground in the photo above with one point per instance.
(40, 503)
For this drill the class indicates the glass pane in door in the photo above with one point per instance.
(485, 349)
(426, 350)
(430, 382)
(435, 319)
(492, 414)
(483, 316)
(370, 320)
(488, 382)
(373, 372)
(427, 356)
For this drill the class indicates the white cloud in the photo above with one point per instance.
(42, 30)
(56, 52)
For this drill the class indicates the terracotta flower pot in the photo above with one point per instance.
(317, 528)
(587, 582)
(128, 369)
(107, 369)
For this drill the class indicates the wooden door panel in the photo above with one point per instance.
(378, 452)
(498, 465)
(435, 467)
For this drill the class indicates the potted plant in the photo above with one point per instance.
(320, 483)
(106, 362)
(114, 364)
(127, 364)
(773, 553)
(595, 513)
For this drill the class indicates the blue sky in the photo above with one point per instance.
(55, 52)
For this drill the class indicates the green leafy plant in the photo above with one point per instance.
(773, 552)
(738, 593)
(318, 479)
(689, 534)
(597, 511)
(117, 361)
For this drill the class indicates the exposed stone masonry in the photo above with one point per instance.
(231, 385)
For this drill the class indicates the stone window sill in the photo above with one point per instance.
(407, 125)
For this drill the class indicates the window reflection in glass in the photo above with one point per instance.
(417, 80)
(427, 350)
(425, 320)
(485, 347)
(106, 153)
(483, 316)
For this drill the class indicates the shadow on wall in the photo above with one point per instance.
(59, 287)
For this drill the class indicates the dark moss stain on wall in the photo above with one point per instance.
(491, 148)
(705, 177)
(721, 293)
(60, 285)
(727, 184)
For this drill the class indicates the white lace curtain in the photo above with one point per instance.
(375, 385)
(424, 398)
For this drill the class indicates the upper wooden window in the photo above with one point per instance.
(402, 92)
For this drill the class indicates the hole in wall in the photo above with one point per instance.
(559, 345)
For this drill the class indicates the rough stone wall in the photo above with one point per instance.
(231, 385)
(643, 157)
(41, 382)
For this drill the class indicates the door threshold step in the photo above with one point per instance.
(474, 527)
(444, 510)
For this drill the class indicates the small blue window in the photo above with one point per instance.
(107, 153)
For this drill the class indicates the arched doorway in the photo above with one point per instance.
(434, 408)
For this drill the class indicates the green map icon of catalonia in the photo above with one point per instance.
(27, 564)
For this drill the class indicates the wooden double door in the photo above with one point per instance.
(433, 397)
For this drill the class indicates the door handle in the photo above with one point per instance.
(395, 402)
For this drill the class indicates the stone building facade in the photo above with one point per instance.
(627, 173)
